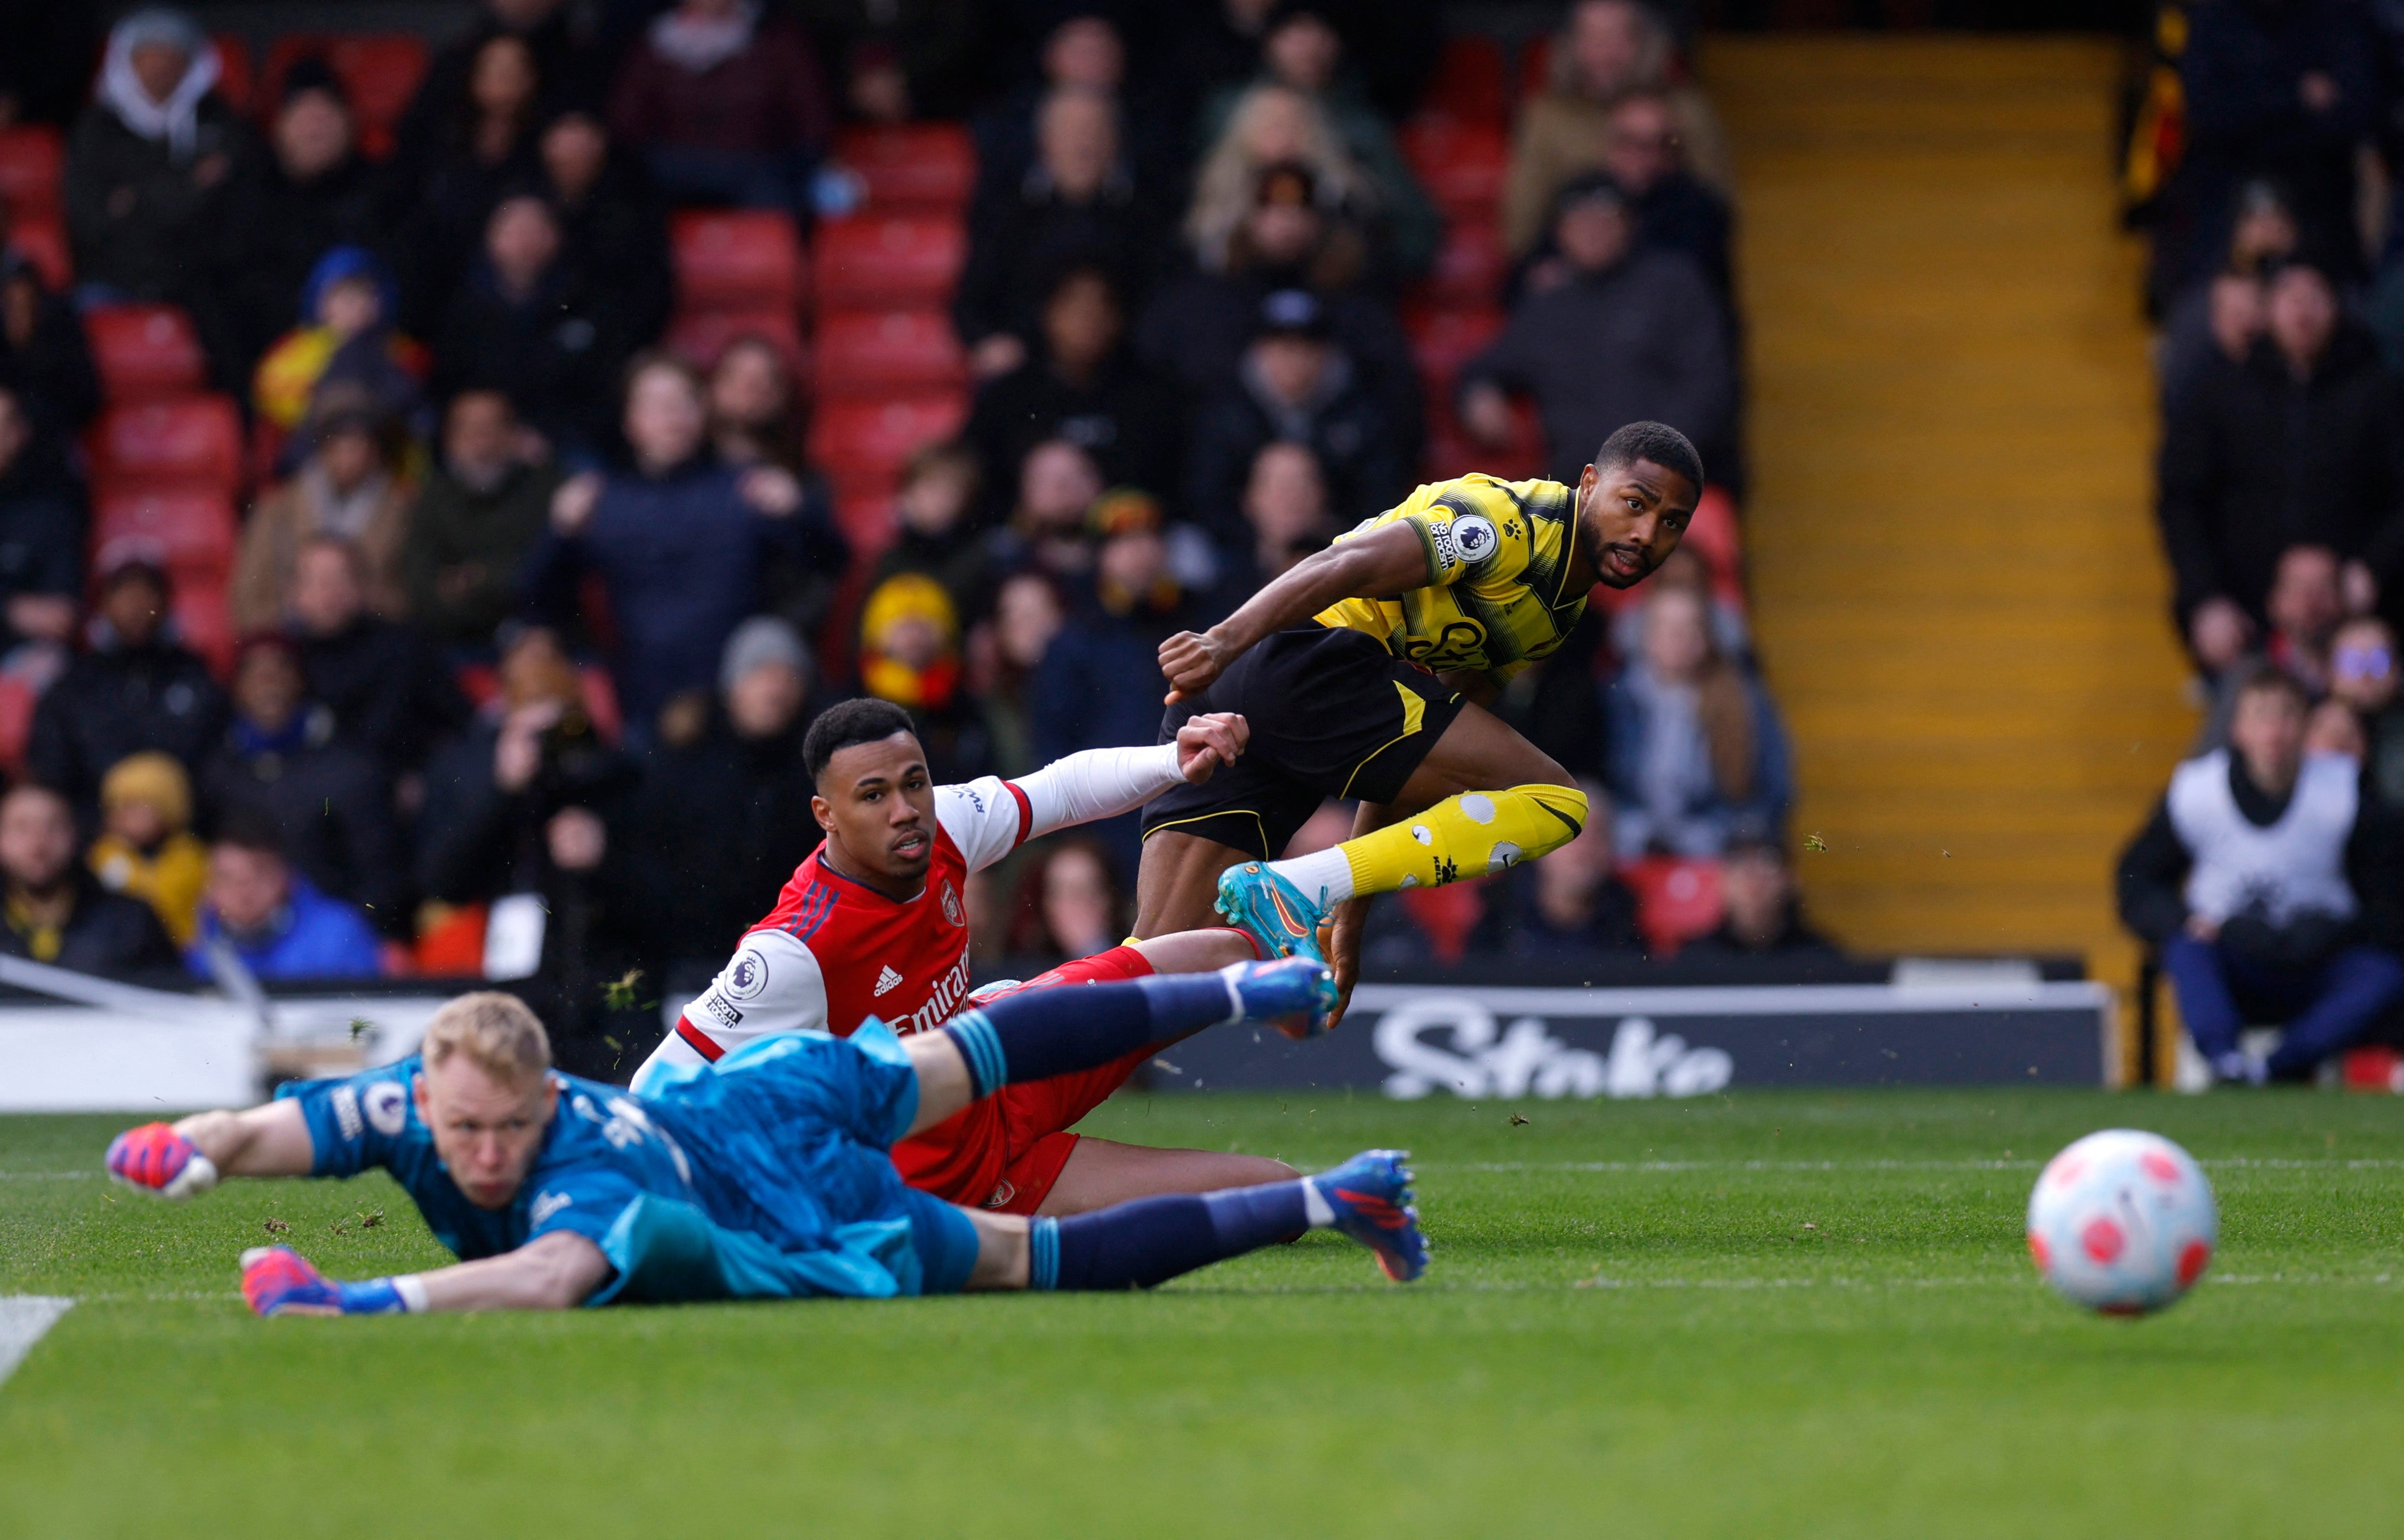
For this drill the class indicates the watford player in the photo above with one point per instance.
(1364, 672)
(875, 923)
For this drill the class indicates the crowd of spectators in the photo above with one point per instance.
(2268, 877)
(536, 584)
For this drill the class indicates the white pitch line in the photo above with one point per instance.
(1624, 1167)
(23, 1319)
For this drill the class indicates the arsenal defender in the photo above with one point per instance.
(874, 924)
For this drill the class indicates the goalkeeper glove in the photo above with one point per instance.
(157, 1159)
(279, 1280)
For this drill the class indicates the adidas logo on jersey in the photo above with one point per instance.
(886, 980)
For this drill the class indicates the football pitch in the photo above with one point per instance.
(1766, 1314)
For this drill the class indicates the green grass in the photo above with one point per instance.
(1765, 1315)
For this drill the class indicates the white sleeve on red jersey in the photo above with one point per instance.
(772, 984)
(988, 818)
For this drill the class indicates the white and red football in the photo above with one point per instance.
(2122, 1222)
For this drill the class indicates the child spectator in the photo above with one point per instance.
(728, 103)
(613, 227)
(480, 512)
(146, 849)
(273, 919)
(52, 909)
(1578, 907)
(135, 688)
(1697, 757)
(1764, 917)
(148, 162)
(1028, 613)
(520, 322)
(391, 697)
(935, 522)
(910, 654)
(41, 541)
(345, 340)
(347, 487)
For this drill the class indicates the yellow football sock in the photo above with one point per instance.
(1465, 836)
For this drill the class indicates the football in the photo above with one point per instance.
(2122, 1222)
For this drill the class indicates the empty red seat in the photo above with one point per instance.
(1468, 81)
(17, 702)
(699, 337)
(1444, 340)
(145, 352)
(736, 260)
(380, 70)
(870, 262)
(236, 82)
(1461, 165)
(913, 168)
(33, 158)
(1677, 899)
(1469, 266)
(864, 442)
(194, 442)
(884, 353)
(192, 527)
(43, 241)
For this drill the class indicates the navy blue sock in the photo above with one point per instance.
(1044, 1032)
(1153, 1240)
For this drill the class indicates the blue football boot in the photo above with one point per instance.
(1270, 910)
(1371, 1195)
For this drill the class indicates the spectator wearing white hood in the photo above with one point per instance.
(147, 160)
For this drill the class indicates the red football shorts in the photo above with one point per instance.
(1005, 1152)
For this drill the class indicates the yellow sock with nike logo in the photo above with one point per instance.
(1465, 836)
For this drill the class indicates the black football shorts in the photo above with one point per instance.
(1333, 714)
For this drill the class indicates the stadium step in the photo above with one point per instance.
(1958, 595)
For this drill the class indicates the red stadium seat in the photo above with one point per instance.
(886, 352)
(380, 70)
(1447, 915)
(33, 158)
(699, 337)
(916, 168)
(1676, 900)
(145, 352)
(736, 260)
(1461, 165)
(17, 702)
(1468, 81)
(1452, 453)
(866, 520)
(1444, 340)
(1537, 65)
(192, 443)
(43, 241)
(236, 82)
(869, 262)
(1469, 267)
(207, 621)
(864, 444)
(193, 529)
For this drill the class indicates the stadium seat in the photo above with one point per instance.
(192, 443)
(1447, 915)
(1469, 266)
(1468, 82)
(33, 158)
(869, 262)
(699, 337)
(748, 260)
(145, 352)
(454, 945)
(915, 168)
(1537, 65)
(42, 240)
(206, 622)
(1461, 165)
(236, 81)
(1452, 453)
(1677, 899)
(17, 702)
(866, 520)
(380, 70)
(194, 529)
(1444, 340)
(864, 444)
(887, 352)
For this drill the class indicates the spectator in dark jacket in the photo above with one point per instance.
(568, 58)
(479, 150)
(391, 697)
(46, 73)
(137, 688)
(613, 227)
(1079, 204)
(1574, 908)
(1294, 384)
(2296, 446)
(728, 105)
(1086, 388)
(44, 353)
(899, 60)
(1650, 314)
(755, 420)
(480, 512)
(311, 192)
(1764, 917)
(41, 534)
(280, 765)
(678, 542)
(148, 163)
(1675, 210)
(273, 918)
(523, 322)
(1083, 53)
(56, 911)
(2268, 881)
(937, 525)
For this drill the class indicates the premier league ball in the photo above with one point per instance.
(2122, 1222)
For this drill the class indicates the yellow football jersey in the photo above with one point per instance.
(1497, 556)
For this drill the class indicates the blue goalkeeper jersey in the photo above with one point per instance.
(763, 1176)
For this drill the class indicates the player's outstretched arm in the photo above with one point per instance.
(1388, 560)
(180, 1160)
(552, 1272)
